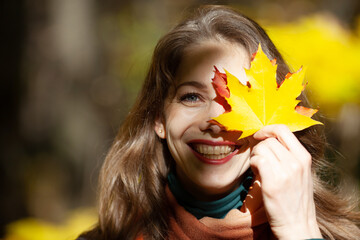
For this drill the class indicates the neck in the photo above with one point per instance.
(210, 194)
(216, 208)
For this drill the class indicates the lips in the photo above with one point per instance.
(213, 152)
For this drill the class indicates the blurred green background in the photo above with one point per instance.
(70, 70)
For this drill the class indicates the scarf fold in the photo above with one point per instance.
(249, 223)
(215, 209)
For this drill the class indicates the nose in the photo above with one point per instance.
(212, 127)
(214, 110)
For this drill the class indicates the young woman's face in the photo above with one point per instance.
(209, 160)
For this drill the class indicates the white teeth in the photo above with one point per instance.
(214, 152)
(213, 156)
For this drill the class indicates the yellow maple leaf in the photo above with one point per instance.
(262, 102)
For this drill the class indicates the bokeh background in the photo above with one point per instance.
(70, 70)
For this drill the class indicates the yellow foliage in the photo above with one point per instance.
(35, 229)
(331, 54)
(264, 103)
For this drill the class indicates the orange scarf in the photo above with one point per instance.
(248, 223)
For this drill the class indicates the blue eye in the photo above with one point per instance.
(190, 97)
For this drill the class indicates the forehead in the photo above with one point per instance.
(199, 59)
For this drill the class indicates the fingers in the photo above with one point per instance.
(283, 166)
(267, 152)
(280, 153)
(281, 132)
(287, 139)
(271, 160)
(271, 147)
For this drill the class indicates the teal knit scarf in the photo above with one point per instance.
(216, 209)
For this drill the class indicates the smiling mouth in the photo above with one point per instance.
(213, 152)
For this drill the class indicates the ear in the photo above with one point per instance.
(160, 128)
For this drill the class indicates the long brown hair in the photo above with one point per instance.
(133, 177)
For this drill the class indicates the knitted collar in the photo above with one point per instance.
(216, 209)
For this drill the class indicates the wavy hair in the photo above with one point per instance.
(133, 177)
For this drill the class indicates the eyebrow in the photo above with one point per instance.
(195, 84)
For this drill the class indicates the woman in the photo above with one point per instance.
(173, 174)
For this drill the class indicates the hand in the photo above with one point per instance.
(284, 168)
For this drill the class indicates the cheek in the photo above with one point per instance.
(179, 120)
